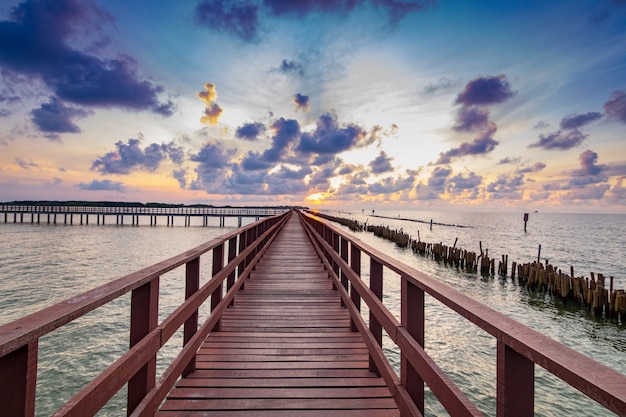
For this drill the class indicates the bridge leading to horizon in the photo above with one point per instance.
(286, 336)
(70, 214)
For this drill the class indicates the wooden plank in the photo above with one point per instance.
(284, 348)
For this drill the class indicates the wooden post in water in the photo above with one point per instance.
(525, 221)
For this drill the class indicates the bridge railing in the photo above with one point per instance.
(233, 257)
(519, 348)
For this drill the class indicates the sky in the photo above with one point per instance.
(348, 104)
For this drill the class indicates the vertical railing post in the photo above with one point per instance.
(218, 264)
(376, 286)
(343, 246)
(18, 379)
(412, 319)
(355, 264)
(192, 284)
(232, 254)
(515, 383)
(144, 315)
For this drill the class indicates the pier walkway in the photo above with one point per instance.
(284, 348)
(296, 327)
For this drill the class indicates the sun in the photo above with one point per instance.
(315, 198)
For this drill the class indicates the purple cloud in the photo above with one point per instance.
(560, 140)
(129, 157)
(471, 119)
(301, 102)
(56, 117)
(35, 43)
(459, 183)
(616, 107)
(485, 91)
(534, 168)
(211, 173)
(509, 160)
(239, 18)
(541, 124)
(588, 160)
(26, 165)
(291, 67)
(180, 175)
(250, 131)
(329, 138)
(479, 146)
(381, 164)
(103, 185)
(576, 121)
(507, 186)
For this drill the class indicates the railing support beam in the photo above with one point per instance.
(412, 318)
(515, 383)
(376, 286)
(144, 316)
(355, 264)
(216, 296)
(18, 379)
(192, 280)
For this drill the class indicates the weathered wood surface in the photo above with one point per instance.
(284, 348)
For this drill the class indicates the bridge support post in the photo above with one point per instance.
(218, 264)
(515, 377)
(232, 254)
(144, 317)
(18, 380)
(343, 248)
(412, 319)
(192, 279)
(355, 264)
(376, 286)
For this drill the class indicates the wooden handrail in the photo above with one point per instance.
(19, 339)
(519, 348)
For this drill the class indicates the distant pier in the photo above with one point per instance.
(128, 214)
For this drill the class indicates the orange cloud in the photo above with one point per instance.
(213, 111)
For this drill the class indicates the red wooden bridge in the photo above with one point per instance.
(286, 337)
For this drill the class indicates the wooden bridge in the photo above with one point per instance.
(68, 213)
(286, 337)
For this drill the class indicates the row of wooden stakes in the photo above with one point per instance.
(590, 293)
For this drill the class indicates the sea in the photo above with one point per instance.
(43, 264)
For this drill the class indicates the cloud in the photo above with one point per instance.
(212, 161)
(507, 187)
(238, 18)
(250, 131)
(291, 67)
(588, 160)
(541, 124)
(396, 9)
(442, 85)
(329, 138)
(534, 168)
(459, 184)
(213, 111)
(180, 175)
(471, 119)
(576, 121)
(616, 107)
(35, 43)
(103, 185)
(479, 146)
(509, 160)
(390, 185)
(26, 165)
(301, 102)
(381, 164)
(485, 91)
(560, 140)
(129, 157)
(56, 117)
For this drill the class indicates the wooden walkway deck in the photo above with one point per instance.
(284, 349)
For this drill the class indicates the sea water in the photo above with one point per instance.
(44, 264)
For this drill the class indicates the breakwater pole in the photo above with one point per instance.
(589, 293)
